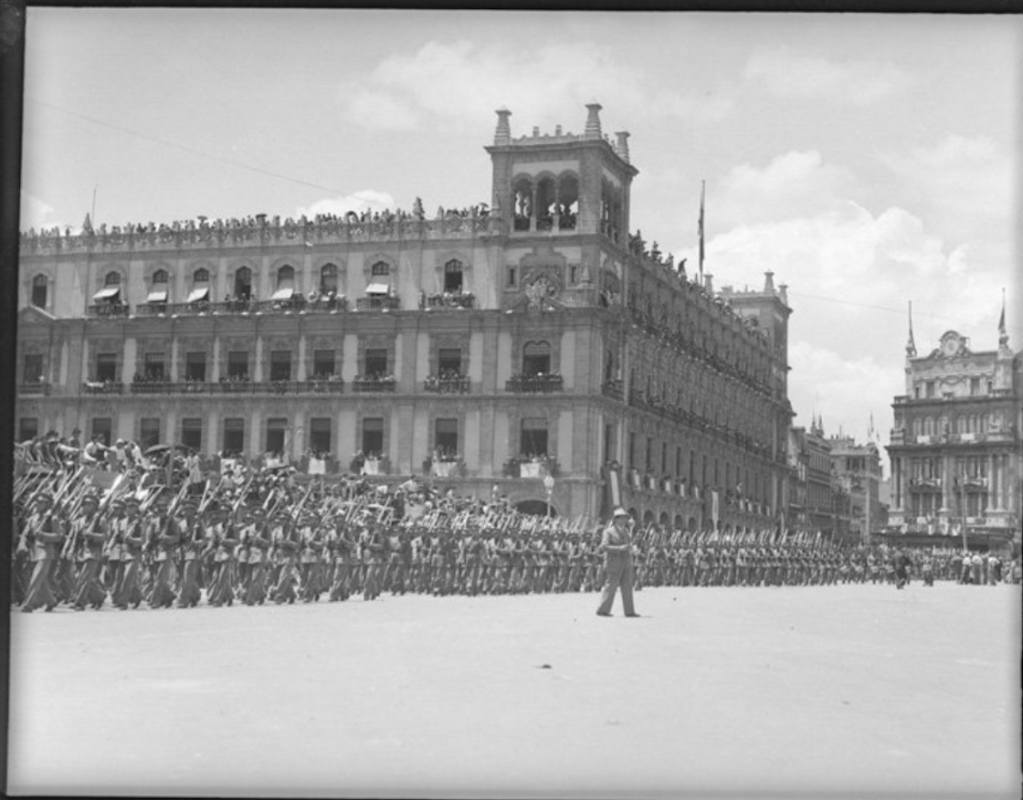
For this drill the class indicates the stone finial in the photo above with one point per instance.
(503, 133)
(592, 130)
(783, 292)
(769, 282)
(557, 130)
(536, 131)
(708, 283)
(622, 147)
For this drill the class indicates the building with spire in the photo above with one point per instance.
(955, 448)
(529, 337)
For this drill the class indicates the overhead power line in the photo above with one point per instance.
(186, 148)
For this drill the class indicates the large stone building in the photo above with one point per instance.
(494, 345)
(857, 468)
(956, 449)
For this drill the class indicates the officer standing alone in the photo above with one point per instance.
(617, 546)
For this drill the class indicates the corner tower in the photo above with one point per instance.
(562, 183)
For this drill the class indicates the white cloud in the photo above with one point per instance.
(844, 391)
(965, 184)
(365, 200)
(459, 84)
(380, 111)
(793, 183)
(850, 274)
(857, 82)
(35, 213)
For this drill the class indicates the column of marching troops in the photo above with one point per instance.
(167, 549)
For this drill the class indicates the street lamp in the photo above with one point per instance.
(548, 484)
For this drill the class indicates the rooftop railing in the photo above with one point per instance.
(260, 230)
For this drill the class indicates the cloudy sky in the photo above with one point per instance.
(868, 161)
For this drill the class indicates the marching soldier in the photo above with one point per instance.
(44, 535)
(89, 534)
(127, 583)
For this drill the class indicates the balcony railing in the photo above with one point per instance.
(110, 310)
(102, 387)
(374, 384)
(457, 384)
(381, 302)
(238, 387)
(523, 467)
(450, 300)
(535, 384)
(34, 387)
(297, 303)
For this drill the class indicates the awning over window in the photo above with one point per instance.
(157, 296)
(283, 294)
(198, 293)
(107, 293)
(377, 288)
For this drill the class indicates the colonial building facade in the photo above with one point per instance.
(495, 345)
(956, 449)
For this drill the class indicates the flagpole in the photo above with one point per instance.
(703, 191)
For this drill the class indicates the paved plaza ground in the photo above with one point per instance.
(739, 692)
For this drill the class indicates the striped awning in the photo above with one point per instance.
(283, 294)
(198, 293)
(157, 296)
(378, 288)
(107, 293)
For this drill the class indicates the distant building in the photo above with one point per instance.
(859, 474)
(498, 344)
(955, 449)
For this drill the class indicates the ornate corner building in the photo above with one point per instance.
(956, 449)
(495, 345)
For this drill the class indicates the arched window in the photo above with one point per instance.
(39, 291)
(536, 358)
(328, 278)
(112, 279)
(243, 283)
(380, 270)
(522, 203)
(158, 289)
(453, 276)
(286, 277)
(568, 202)
(200, 286)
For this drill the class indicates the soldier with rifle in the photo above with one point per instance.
(127, 585)
(193, 538)
(86, 545)
(44, 535)
(255, 533)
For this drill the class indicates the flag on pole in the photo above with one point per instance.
(703, 190)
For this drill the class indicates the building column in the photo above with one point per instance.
(129, 353)
(174, 360)
(85, 360)
(993, 495)
(214, 376)
(257, 375)
(213, 433)
(946, 483)
(300, 373)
